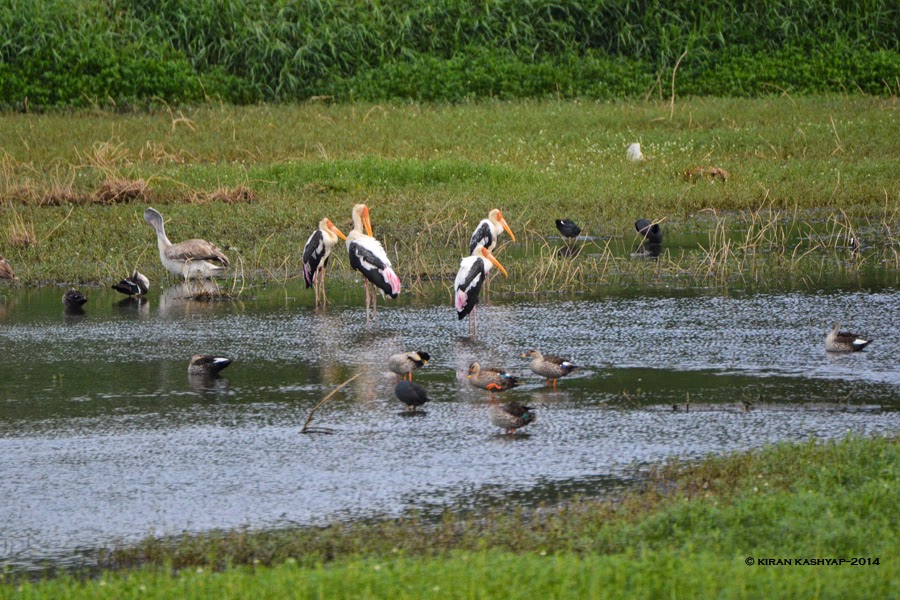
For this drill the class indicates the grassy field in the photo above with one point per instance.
(122, 53)
(687, 533)
(806, 175)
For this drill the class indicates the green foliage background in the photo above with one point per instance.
(128, 52)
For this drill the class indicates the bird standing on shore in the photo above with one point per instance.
(844, 341)
(192, 259)
(369, 258)
(568, 228)
(316, 254)
(471, 276)
(6, 270)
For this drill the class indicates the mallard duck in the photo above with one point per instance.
(136, 285)
(843, 341)
(549, 366)
(204, 364)
(192, 259)
(411, 394)
(74, 298)
(315, 256)
(406, 362)
(511, 416)
(369, 258)
(6, 270)
(568, 228)
(491, 379)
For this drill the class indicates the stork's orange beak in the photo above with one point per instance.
(336, 231)
(505, 227)
(487, 254)
(366, 222)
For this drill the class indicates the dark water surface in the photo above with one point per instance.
(104, 437)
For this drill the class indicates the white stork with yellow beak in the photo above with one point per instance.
(369, 258)
(315, 256)
(472, 272)
(489, 230)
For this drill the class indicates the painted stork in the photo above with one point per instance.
(489, 230)
(369, 258)
(135, 285)
(844, 341)
(192, 259)
(472, 272)
(316, 254)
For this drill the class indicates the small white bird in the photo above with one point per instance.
(634, 153)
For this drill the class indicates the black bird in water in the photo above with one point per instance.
(652, 237)
(411, 394)
(651, 231)
(136, 285)
(204, 364)
(568, 228)
(74, 298)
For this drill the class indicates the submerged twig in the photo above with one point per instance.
(306, 428)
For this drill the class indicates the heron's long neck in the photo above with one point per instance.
(161, 240)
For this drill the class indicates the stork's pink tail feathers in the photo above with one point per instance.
(392, 279)
(461, 299)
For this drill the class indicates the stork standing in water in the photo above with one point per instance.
(369, 258)
(192, 259)
(488, 231)
(315, 256)
(472, 272)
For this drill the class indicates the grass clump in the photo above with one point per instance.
(688, 529)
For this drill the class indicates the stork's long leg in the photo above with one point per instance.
(375, 303)
(322, 286)
(475, 315)
(366, 284)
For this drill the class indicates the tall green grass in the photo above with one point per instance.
(78, 52)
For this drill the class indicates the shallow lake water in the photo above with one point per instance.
(105, 438)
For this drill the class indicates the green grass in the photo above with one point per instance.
(119, 53)
(431, 172)
(686, 533)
